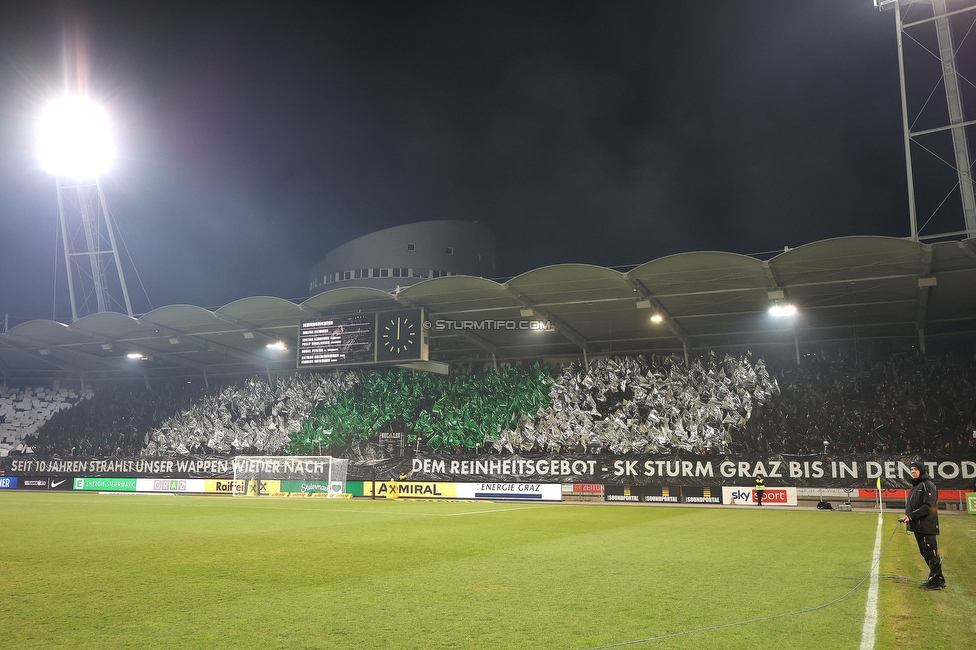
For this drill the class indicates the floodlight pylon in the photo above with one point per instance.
(91, 256)
(954, 123)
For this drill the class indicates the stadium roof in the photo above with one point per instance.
(864, 287)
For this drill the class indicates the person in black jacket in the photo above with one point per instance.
(922, 517)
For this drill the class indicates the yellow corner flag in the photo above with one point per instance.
(880, 500)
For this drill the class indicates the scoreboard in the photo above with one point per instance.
(362, 339)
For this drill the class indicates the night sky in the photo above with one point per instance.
(255, 137)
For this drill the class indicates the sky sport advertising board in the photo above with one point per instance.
(746, 496)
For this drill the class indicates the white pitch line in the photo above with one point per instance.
(481, 512)
(871, 607)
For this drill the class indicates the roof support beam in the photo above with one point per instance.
(680, 332)
(559, 325)
(204, 344)
(251, 327)
(966, 249)
(140, 348)
(467, 335)
(25, 344)
(925, 284)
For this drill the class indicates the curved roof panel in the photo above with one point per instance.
(45, 331)
(349, 299)
(845, 287)
(110, 324)
(457, 295)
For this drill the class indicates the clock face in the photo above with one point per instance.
(399, 336)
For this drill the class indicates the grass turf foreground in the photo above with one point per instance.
(113, 571)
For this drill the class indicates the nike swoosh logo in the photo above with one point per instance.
(55, 484)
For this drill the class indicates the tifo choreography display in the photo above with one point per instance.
(653, 429)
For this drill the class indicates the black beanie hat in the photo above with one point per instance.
(917, 465)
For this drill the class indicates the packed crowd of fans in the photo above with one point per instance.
(903, 403)
(24, 410)
(113, 421)
(255, 417)
(635, 405)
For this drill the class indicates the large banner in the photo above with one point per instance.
(814, 471)
(854, 471)
(190, 466)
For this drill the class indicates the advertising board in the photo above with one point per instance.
(35, 482)
(437, 490)
(971, 503)
(407, 490)
(745, 496)
(169, 485)
(105, 484)
(515, 491)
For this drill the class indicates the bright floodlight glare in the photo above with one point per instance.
(657, 318)
(75, 138)
(280, 345)
(134, 355)
(782, 311)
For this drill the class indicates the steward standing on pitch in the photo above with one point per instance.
(922, 517)
(760, 488)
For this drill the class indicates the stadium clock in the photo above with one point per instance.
(398, 336)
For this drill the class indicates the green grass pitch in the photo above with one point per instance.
(112, 571)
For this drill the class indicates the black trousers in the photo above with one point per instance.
(928, 547)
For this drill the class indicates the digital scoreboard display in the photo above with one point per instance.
(339, 340)
(384, 337)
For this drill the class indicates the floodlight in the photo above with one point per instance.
(279, 345)
(75, 138)
(135, 355)
(782, 311)
(657, 318)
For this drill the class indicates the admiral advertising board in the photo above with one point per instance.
(473, 491)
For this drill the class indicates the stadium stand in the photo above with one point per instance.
(896, 402)
(630, 405)
(114, 420)
(255, 417)
(24, 410)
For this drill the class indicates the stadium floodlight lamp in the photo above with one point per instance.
(135, 356)
(278, 345)
(782, 311)
(657, 318)
(75, 138)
